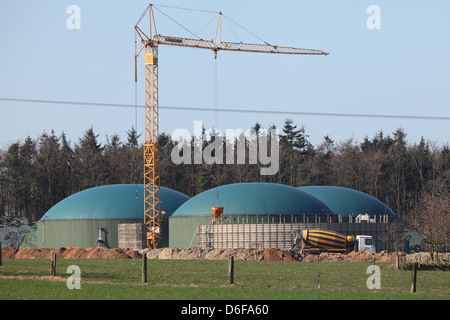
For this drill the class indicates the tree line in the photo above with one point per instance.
(35, 174)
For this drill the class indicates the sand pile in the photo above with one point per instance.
(353, 256)
(70, 253)
(164, 253)
(221, 254)
(273, 254)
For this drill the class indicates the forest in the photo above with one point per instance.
(37, 174)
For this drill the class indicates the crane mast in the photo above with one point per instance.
(152, 195)
(152, 187)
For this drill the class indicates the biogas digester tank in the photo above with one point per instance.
(91, 217)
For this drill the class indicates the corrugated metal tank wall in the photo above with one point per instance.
(182, 231)
(84, 233)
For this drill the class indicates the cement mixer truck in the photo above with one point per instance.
(317, 241)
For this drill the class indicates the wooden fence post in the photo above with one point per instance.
(0, 253)
(400, 260)
(53, 265)
(231, 270)
(318, 280)
(144, 267)
(413, 277)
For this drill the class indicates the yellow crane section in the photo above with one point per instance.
(149, 43)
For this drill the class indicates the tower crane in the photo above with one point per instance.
(150, 43)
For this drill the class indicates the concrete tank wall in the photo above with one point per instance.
(281, 235)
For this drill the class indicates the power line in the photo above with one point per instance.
(234, 110)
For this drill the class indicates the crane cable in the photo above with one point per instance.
(216, 94)
(179, 24)
(181, 8)
(245, 29)
(206, 11)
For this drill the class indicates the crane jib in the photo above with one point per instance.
(232, 46)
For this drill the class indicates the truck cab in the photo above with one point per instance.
(364, 243)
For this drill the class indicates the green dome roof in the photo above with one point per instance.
(112, 201)
(252, 199)
(346, 201)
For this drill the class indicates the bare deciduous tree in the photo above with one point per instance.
(431, 218)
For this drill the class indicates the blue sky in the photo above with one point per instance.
(401, 69)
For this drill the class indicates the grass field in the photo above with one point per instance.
(208, 280)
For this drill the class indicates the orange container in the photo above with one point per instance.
(217, 211)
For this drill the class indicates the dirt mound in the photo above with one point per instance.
(325, 257)
(9, 252)
(353, 256)
(425, 258)
(272, 254)
(367, 256)
(204, 254)
(28, 253)
(70, 253)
